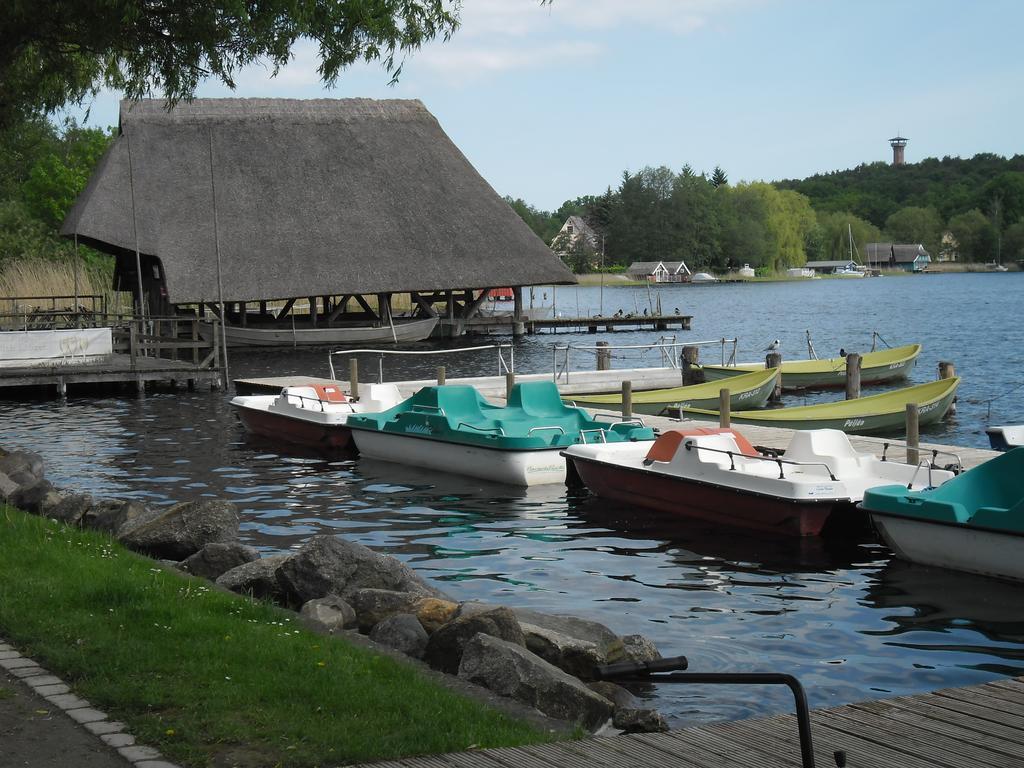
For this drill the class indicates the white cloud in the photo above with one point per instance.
(465, 63)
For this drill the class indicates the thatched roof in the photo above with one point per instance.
(900, 253)
(312, 198)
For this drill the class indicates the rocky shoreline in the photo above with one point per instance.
(543, 661)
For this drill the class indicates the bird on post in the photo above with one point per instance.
(773, 346)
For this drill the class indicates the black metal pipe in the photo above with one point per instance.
(803, 719)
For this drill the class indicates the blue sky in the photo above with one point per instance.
(554, 102)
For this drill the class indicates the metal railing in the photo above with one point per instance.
(290, 396)
(671, 670)
(504, 366)
(691, 445)
(560, 353)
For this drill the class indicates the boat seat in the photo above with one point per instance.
(669, 442)
(539, 398)
(329, 393)
(825, 446)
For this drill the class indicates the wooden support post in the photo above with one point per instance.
(510, 381)
(312, 310)
(353, 378)
(774, 360)
(627, 400)
(243, 311)
(440, 376)
(285, 309)
(518, 326)
(687, 361)
(947, 371)
(852, 376)
(195, 344)
(913, 434)
(724, 408)
(604, 356)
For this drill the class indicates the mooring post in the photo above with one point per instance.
(440, 376)
(687, 360)
(353, 378)
(510, 381)
(518, 326)
(627, 400)
(774, 360)
(913, 434)
(947, 371)
(604, 356)
(852, 376)
(724, 405)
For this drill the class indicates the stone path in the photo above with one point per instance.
(44, 725)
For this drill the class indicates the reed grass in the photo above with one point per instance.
(45, 278)
(212, 679)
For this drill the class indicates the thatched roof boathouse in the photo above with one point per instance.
(300, 200)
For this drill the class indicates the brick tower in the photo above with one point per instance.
(897, 143)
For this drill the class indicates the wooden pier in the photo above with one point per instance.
(980, 726)
(506, 323)
(158, 350)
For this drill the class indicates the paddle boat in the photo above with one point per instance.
(750, 390)
(313, 415)
(875, 368)
(973, 523)
(1005, 438)
(876, 413)
(452, 428)
(716, 475)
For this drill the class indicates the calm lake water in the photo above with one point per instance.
(843, 616)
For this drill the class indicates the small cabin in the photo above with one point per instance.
(659, 271)
(832, 267)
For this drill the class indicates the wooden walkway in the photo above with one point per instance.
(110, 369)
(504, 323)
(980, 726)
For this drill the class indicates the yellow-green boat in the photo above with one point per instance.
(748, 390)
(875, 368)
(877, 413)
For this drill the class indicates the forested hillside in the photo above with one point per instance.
(658, 214)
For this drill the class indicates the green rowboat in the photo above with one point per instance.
(875, 367)
(877, 413)
(748, 390)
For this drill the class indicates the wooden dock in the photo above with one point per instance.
(980, 726)
(505, 323)
(160, 350)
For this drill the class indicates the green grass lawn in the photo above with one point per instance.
(212, 679)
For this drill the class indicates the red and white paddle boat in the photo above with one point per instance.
(716, 475)
(313, 415)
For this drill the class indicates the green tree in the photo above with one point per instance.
(916, 225)
(743, 217)
(974, 234)
(54, 52)
(57, 177)
(1013, 242)
(835, 231)
(1007, 190)
(718, 178)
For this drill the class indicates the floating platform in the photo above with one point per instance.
(506, 324)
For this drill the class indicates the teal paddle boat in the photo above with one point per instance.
(453, 428)
(974, 522)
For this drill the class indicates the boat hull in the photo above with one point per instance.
(336, 437)
(521, 468)
(707, 502)
(962, 548)
(250, 336)
(833, 377)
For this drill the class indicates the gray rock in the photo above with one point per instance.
(331, 565)
(7, 486)
(179, 531)
(511, 670)
(37, 499)
(218, 558)
(446, 645)
(616, 694)
(570, 654)
(639, 648)
(258, 578)
(372, 606)
(109, 515)
(403, 632)
(329, 614)
(23, 467)
(71, 509)
(639, 721)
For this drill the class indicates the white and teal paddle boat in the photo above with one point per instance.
(453, 428)
(974, 522)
